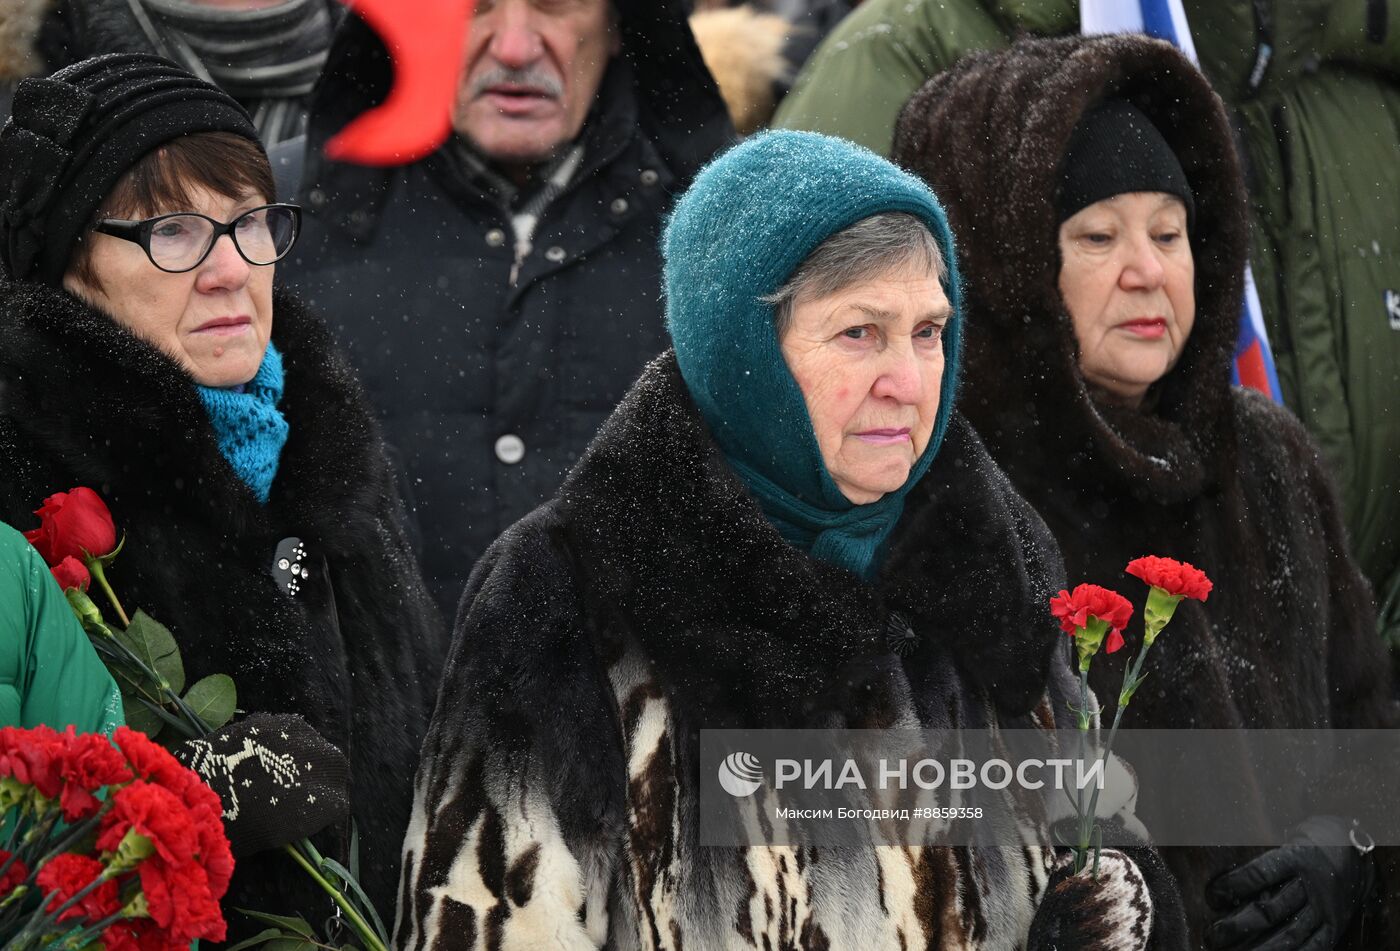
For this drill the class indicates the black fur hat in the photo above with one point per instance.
(70, 138)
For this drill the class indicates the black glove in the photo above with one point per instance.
(279, 779)
(1299, 895)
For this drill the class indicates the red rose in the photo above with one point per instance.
(14, 875)
(1074, 611)
(153, 812)
(1177, 578)
(34, 757)
(73, 524)
(180, 900)
(71, 573)
(90, 764)
(65, 875)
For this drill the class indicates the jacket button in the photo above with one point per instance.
(495, 237)
(619, 206)
(510, 449)
(649, 176)
(555, 254)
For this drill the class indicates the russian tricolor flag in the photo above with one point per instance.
(1165, 19)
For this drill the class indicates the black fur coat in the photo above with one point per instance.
(84, 402)
(1206, 473)
(557, 801)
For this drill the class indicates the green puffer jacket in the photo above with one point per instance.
(1319, 122)
(49, 673)
(867, 68)
(1319, 127)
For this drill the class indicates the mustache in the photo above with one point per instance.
(534, 76)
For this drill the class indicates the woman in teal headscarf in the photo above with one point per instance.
(783, 525)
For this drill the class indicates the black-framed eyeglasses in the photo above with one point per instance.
(181, 241)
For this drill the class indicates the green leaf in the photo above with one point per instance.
(296, 925)
(214, 699)
(257, 939)
(291, 944)
(138, 717)
(354, 849)
(152, 642)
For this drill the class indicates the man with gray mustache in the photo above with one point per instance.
(499, 296)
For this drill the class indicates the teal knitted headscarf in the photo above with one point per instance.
(746, 223)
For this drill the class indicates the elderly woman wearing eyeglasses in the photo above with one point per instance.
(145, 353)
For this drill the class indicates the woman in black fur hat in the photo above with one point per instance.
(1100, 214)
(145, 353)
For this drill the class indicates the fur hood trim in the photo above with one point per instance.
(989, 135)
(19, 31)
(744, 52)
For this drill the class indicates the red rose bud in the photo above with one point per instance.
(73, 524)
(1089, 615)
(1171, 581)
(71, 573)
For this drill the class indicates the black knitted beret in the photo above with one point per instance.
(1116, 149)
(70, 138)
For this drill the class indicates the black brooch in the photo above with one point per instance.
(900, 634)
(289, 565)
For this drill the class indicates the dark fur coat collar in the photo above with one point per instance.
(662, 529)
(989, 135)
(125, 417)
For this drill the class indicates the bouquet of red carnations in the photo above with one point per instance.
(108, 844)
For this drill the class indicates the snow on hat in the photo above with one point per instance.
(70, 138)
(1116, 149)
(749, 219)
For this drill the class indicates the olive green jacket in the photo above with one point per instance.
(1313, 87)
(49, 673)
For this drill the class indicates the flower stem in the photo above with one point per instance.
(1085, 822)
(94, 566)
(366, 934)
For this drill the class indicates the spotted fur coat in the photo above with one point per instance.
(556, 805)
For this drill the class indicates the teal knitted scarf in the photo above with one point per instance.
(250, 428)
(746, 223)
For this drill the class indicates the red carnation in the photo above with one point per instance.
(33, 757)
(214, 852)
(149, 760)
(71, 573)
(153, 812)
(139, 934)
(73, 524)
(90, 764)
(181, 901)
(1177, 578)
(67, 874)
(1089, 600)
(14, 875)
